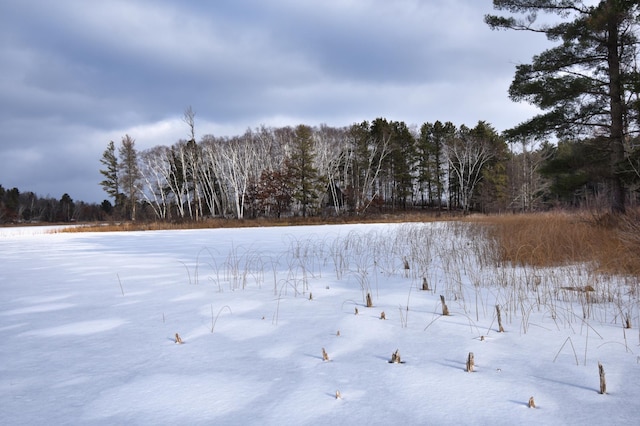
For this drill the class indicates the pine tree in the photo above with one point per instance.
(575, 169)
(584, 84)
(129, 173)
(111, 182)
(399, 164)
(431, 159)
(492, 189)
(67, 208)
(303, 174)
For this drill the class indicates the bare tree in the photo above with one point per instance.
(211, 177)
(527, 184)
(236, 159)
(154, 170)
(364, 159)
(330, 156)
(467, 154)
(193, 160)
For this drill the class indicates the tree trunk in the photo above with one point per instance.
(616, 108)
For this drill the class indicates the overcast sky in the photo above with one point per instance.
(76, 74)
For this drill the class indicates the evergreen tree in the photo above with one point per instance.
(400, 163)
(584, 83)
(357, 165)
(129, 173)
(431, 159)
(630, 170)
(67, 208)
(492, 190)
(9, 204)
(111, 182)
(3, 209)
(303, 174)
(576, 170)
(106, 206)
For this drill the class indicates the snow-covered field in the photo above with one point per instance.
(88, 324)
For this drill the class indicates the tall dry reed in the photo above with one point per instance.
(552, 239)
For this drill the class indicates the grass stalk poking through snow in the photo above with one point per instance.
(214, 321)
(120, 282)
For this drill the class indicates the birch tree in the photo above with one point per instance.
(211, 177)
(364, 162)
(155, 170)
(236, 158)
(466, 155)
(330, 156)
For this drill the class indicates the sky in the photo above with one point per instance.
(77, 74)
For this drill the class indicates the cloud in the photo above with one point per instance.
(77, 74)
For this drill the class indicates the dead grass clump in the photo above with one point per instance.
(628, 230)
(552, 239)
(470, 363)
(369, 302)
(325, 356)
(603, 380)
(445, 308)
(425, 284)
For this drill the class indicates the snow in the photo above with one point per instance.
(88, 324)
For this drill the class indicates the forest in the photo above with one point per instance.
(372, 167)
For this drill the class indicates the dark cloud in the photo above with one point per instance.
(77, 74)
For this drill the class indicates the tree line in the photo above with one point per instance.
(305, 171)
(369, 167)
(377, 166)
(21, 207)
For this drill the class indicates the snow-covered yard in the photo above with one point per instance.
(88, 324)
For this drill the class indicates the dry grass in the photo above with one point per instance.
(259, 222)
(611, 244)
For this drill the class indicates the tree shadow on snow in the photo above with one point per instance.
(567, 384)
